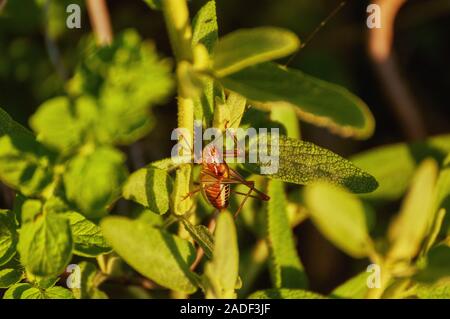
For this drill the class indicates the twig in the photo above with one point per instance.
(200, 252)
(387, 69)
(101, 24)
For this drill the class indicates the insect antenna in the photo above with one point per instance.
(317, 29)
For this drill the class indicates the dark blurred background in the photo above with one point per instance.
(338, 53)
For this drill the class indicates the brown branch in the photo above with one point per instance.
(381, 53)
(100, 21)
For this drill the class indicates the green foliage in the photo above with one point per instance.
(303, 163)
(269, 85)
(355, 287)
(28, 291)
(221, 273)
(149, 187)
(246, 47)
(202, 237)
(285, 294)
(403, 159)
(341, 217)
(8, 236)
(156, 254)
(93, 181)
(9, 277)
(45, 245)
(91, 278)
(286, 268)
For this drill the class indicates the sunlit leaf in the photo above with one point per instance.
(9, 277)
(285, 294)
(246, 47)
(9, 126)
(201, 235)
(268, 85)
(45, 245)
(151, 187)
(340, 217)
(221, 273)
(437, 265)
(27, 291)
(94, 181)
(302, 163)
(87, 236)
(156, 254)
(403, 160)
(286, 268)
(355, 287)
(181, 201)
(8, 236)
(89, 282)
(25, 164)
(154, 4)
(409, 229)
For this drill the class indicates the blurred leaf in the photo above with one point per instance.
(228, 114)
(302, 163)
(286, 268)
(126, 78)
(355, 287)
(201, 235)
(245, 47)
(9, 126)
(442, 198)
(151, 187)
(221, 273)
(9, 277)
(8, 236)
(340, 217)
(156, 254)
(154, 4)
(45, 245)
(87, 236)
(409, 229)
(285, 114)
(61, 125)
(403, 160)
(24, 164)
(437, 265)
(269, 85)
(435, 291)
(285, 294)
(27, 291)
(94, 181)
(89, 281)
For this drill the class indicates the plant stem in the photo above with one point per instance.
(176, 15)
(99, 16)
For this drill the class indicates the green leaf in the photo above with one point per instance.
(285, 114)
(9, 277)
(201, 235)
(409, 229)
(442, 196)
(94, 181)
(11, 127)
(437, 265)
(285, 294)
(356, 287)
(303, 163)
(221, 273)
(89, 282)
(154, 4)
(228, 114)
(24, 164)
(151, 187)
(246, 47)
(87, 236)
(61, 125)
(269, 85)
(340, 216)
(27, 291)
(8, 236)
(45, 245)
(403, 160)
(156, 254)
(286, 268)
(204, 26)
(126, 78)
(440, 290)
